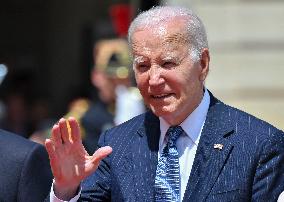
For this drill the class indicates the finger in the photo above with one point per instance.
(50, 148)
(56, 136)
(64, 130)
(75, 129)
(52, 157)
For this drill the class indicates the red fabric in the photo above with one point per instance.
(121, 16)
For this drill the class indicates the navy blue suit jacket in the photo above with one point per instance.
(249, 167)
(25, 173)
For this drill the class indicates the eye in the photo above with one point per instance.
(169, 64)
(142, 67)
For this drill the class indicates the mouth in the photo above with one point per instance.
(162, 96)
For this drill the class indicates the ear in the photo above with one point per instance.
(204, 64)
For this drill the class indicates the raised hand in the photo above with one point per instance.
(70, 163)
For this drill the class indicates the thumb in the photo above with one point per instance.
(95, 159)
(100, 154)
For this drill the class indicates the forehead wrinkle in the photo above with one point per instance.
(140, 44)
(168, 43)
(142, 49)
(176, 39)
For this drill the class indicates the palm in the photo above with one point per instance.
(73, 159)
(69, 160)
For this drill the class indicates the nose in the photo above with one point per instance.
(155, 76)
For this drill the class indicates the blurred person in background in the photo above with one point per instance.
(17, 95)
(118, 99)
(113, 77)
(16, 117)
(115, 98)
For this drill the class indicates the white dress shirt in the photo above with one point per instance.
(186, 143)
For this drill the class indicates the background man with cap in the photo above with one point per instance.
(117, 99)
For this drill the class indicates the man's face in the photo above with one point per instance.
(170, 82)
(104, 85)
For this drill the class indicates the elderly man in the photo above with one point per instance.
(188, 147)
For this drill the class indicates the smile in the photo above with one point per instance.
(161, 96)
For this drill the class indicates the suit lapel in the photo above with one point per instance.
(209, 160)
(145, 156)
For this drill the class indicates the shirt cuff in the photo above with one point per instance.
(281, 197)
(53, 198)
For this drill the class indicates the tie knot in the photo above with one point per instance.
(173, 133)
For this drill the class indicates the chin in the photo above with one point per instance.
(162, 111)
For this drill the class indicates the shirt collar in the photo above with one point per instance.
(193, 124)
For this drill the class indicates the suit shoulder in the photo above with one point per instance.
(16, 146)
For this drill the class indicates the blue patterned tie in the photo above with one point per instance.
(167, 174)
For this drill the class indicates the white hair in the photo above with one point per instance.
(194, 28)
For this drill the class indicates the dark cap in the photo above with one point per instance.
(112, 57)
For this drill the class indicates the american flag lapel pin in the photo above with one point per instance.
(218, 146)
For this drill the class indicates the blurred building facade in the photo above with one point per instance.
(246, 43)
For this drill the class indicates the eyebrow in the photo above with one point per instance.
(139, 59)
(134, 45)
(170, 57)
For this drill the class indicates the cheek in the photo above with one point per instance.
(178, 80)
(142, 82)
(184, 83)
